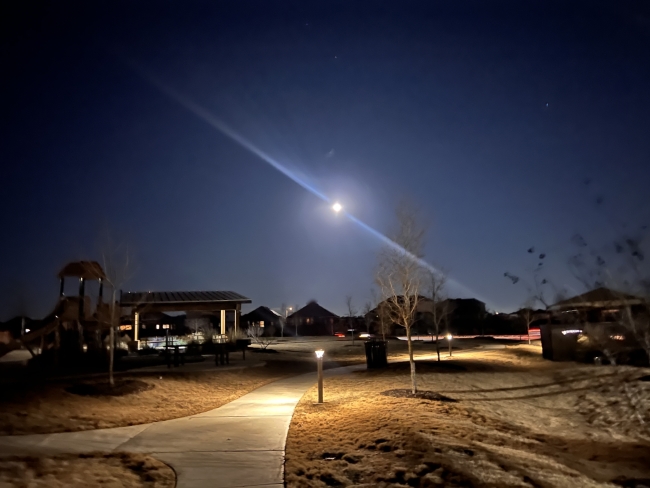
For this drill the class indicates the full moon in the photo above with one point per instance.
(337, 207)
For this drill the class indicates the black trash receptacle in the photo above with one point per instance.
(376, 354)
(381, 357)
(369, 360)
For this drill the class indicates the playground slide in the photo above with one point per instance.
(49, 323)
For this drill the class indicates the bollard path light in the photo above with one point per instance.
(319, 362)
(449, 338)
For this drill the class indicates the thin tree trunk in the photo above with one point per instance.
(111, 346)
(437, 341)
(414, 385)
(528, 330)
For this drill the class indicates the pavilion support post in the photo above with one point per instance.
(136, 329)
(223, 322)
(61, 286)
(101, 290)
(237, 317)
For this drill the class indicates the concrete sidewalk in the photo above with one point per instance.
(240, 444)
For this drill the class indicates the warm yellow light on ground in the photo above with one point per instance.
(337, 207)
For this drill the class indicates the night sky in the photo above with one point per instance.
(490, 116)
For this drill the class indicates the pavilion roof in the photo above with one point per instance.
(178, 297)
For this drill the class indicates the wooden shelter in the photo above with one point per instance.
(183, 301)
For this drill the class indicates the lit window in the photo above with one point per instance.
(157, 326)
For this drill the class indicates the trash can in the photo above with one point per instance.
(376, 354)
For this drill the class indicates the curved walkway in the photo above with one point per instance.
(240, 444)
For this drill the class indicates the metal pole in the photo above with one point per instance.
(449, 341)
(320, 380)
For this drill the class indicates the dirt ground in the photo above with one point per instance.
(511, 420)
(48, 407)
(117, 470)
(41, 408)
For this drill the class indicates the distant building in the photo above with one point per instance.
(312, 319)
(17, 327)
(155, 324)
(466, 315)
(599, 305)
(266, 318)
(599, 320)
(423, 316)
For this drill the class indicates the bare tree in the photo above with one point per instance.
(440, 305)
(382, 315)
(200, 327)
(367, 317)
(352, 311)
(527, 315)
(118, 269)
(399, 275)
(284, 312)
(256, 334)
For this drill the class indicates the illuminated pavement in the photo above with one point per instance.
(240, 444)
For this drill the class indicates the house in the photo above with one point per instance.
(466, 315)
(17, 327)
(266, 318)
(461, 316)
(596, 320)
(312, 319)
(155, 324)
(423, 315)
(598, 305)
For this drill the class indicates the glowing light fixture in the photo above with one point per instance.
(319, 362)
(337, 207)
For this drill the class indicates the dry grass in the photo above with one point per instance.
(106, 470)
(47, 408)
(516, 423)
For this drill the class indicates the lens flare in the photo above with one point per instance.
(223, 128)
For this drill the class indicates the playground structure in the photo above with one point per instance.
(74, 325)
(77, 326)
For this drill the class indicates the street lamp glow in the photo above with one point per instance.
(449, 337)
(319, 353)
(337, 207)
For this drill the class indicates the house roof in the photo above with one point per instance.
(88, 270)
(600, 297)
(177, 297)
(313, 309)
(262, 313)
